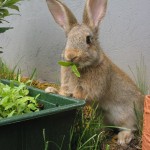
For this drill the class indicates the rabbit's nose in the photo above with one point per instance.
(71, 56)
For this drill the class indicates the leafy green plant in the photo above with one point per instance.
(14, 100)
(5, 7)
(72, 65)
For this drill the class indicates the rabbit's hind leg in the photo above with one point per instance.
(125, 137)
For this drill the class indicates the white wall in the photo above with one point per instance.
(37, 41)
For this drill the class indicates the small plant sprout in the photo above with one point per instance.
(73, 66)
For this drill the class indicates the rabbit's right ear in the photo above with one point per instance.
(62, 15)
(94, 12)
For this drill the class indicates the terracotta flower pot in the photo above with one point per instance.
(146, 124)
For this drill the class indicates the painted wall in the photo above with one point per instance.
(37, 41)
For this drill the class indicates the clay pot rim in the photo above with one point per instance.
(147, 97)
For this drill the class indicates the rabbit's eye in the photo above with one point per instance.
(89, 39)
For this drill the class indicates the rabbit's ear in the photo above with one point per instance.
(62, 15)
(94, 12)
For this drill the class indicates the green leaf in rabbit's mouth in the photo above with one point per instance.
(75, 70)
(72, 65)
(65, 63)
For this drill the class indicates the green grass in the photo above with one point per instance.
(140, 76)
(46, 142)
(13, 74)
(88, 132)
(5, 72)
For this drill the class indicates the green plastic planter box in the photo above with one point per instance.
(25, 132)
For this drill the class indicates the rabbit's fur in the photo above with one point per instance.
(101, 80)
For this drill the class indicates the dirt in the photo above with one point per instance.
(41, 84)
(135, 144)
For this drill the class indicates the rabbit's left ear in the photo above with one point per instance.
(94, 12)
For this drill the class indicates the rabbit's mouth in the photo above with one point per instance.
(80, 58)
(82, 62)
(79, 61)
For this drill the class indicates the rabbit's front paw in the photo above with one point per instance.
(125, 137)
(51, 90)
(65, 93)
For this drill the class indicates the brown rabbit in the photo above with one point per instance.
(101, 80)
